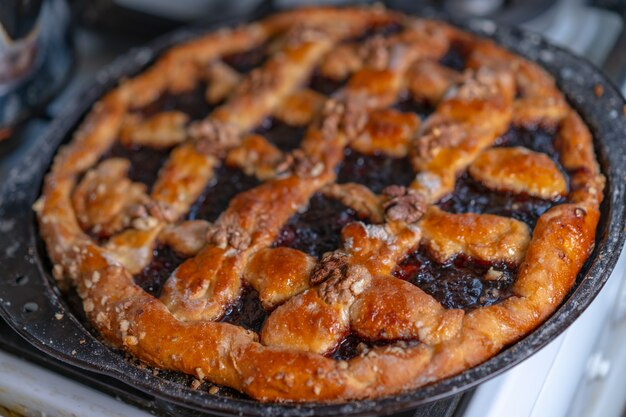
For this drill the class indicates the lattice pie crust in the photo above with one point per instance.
(381, 311)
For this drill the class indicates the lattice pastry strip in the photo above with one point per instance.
(316, 303)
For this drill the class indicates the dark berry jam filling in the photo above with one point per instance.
(538, 140)
(374, 171)
(192, 102)
(470, 196)
(455, 57)
(408, 104)
(153, 276)
(226, 184)
(246, 61)
(318, 229)
(145, 162)
(247, 311)
(285, 137)
(461, 283)
(354, 345)
(324, 85)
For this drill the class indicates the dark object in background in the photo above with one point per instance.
(149, 18)
(35, 57)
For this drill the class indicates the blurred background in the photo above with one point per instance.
(51, 49)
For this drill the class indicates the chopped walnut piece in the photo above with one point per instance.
(345, 286)
(332, 266)
(348, 117)
(438, 137)
(301, 164)
(404, 204)
(228, 235)
(493, 275)
(213, 137)
(476, 85)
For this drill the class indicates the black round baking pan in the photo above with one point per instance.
(32, 304)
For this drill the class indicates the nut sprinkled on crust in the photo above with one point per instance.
(343, 288)
(223, 236)
(404, 204)
(441, 136)
(213, 137)
(332, 266)
(301, 164)
(348, 117)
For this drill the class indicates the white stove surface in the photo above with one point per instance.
(33, 391)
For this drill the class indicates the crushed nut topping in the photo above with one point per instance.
(493, 275)
(348, 117)
(404, 204)
(213, 137)
(332, 265)
(438, 137)
(477, 85)
(300, 164)
(231, 235)
(344, 288)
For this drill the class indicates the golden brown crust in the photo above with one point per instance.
(256, 156)
(162, 130)
(387, 131)
(428, 80)
(482, 236)
(359, 198)
(350, 289)
(279, 274)
(300, 108)
(186, 238)
(392, 309)
(519, 170)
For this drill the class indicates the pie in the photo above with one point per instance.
(329, 204)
